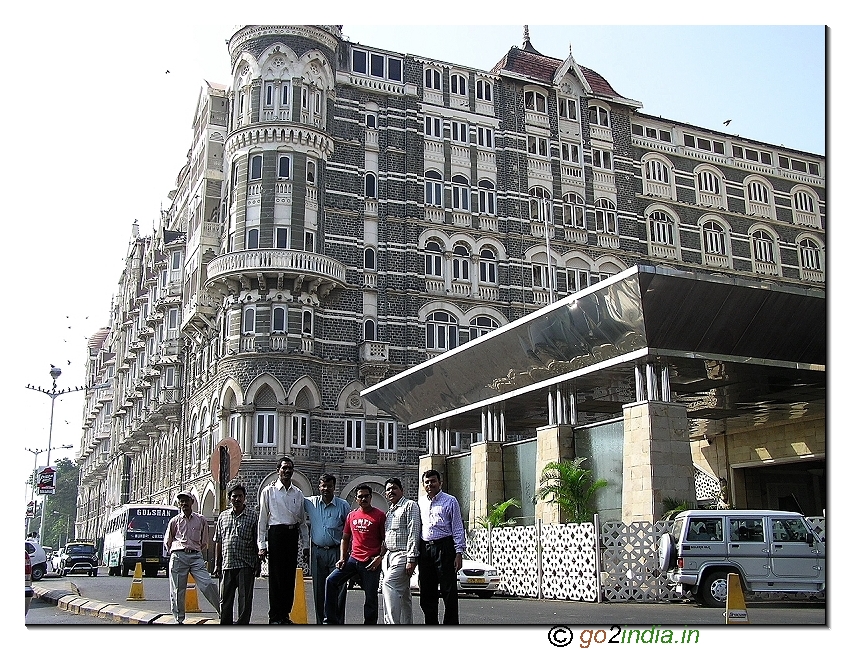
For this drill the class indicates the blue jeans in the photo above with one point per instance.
(180, 565)
(338, 579)
(322, 564)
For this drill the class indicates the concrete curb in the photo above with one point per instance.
(69, 599)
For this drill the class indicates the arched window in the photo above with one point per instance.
(307, 323)
(540, 204)
(283, 167)
(540, 278)
(433, 188)
(573, 211)
(759, 199)
(763, 247)
(460, 263)
(433, 259)
(256, 167)
(249, 313)
(253, 239)
(606, 216)
(662, 228)
(535, 101)
(369, 259)
(483, 90)
(598, 115)
(457, 84)
(714, 238)
(460, 193)
(810, 258)
(486, 197)
(433, 79)
(806, 208)
(371, 185)
(481, 325)
(279, 318)
(708, 182)
(440, 331)
(487, 267)
(369, 329)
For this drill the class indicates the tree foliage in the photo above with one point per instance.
(497, 516)
(571, 488)
(58, 527)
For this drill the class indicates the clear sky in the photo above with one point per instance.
(96, 131)
(95, 111)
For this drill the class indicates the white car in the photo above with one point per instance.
(38, 559)
(474, 577)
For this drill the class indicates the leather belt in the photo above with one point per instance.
(325, 547)
(287, 527)
(445, 539)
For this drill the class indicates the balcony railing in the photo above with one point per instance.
(275, 260)
(608, 240)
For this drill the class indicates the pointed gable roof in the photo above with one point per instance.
(527, 62)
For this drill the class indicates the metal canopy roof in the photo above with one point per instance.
(737, 350)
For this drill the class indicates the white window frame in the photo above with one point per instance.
(300, 430)
(433, 188)
(763, 247)
(577, 279)
(662, 230)
(265, 428)
(288, 174)
(433, 127)
(486, 197)
(540, 205)
(441, 331)
(433, 79)
(255, 167)
(387, 435)
(485, 138)
(281, 231)
(460, 132)
(537, 98)
(599, 115)
(373, 194)
(810, 255)
(481, 325)
(460, 194)
(249, 319)
(714, 238)
(488, 268)
(571, 153)
(458, 84)
(284, 327)
(568, 109)
(460, 263)
(602, 159)
(355, 438)
(250, 244)
(433, 259)
(483, 90)
(606, 213)
(574, 212)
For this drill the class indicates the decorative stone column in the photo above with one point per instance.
(554, 444)
(657, 460)
(487, 483)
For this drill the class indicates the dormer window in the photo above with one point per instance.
(535, 101)
(598, 115)
(457, 85)
(433, 79)
(483, 90)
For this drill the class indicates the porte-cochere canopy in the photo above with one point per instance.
(744, 351)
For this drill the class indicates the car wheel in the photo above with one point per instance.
(486, 594)
(666, 552)
(713, 589)
(151, 571)
(37, 572)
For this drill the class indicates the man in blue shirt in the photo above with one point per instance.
(327, 518)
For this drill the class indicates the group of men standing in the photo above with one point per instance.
(344, 544)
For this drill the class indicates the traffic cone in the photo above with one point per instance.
(736, 607)
(299, 606)
(192, 596)
(137, 588)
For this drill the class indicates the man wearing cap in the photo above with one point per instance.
(186, 537)
(282, 521)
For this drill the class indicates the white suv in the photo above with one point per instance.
(772, 551)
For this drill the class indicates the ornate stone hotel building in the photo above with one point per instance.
(347, 212)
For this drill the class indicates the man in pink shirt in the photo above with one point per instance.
(187, 535)
(361, 552)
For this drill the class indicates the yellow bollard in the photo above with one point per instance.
(192, 596)
(736, 607)
(299, 606)
(137, 588)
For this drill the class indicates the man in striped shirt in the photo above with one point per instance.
(401, 542)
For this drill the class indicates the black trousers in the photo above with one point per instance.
(437, 577)
(241, 580)
(283, 560)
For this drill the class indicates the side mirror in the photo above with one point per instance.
(810, 538)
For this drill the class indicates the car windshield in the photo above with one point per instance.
(80, 549)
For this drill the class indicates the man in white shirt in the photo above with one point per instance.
(282, 521)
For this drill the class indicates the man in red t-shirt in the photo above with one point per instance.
(361, 551)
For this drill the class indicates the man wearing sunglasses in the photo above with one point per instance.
(361, 552)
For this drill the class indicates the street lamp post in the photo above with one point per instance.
(53, 393)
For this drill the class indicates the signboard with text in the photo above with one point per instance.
(47, 481)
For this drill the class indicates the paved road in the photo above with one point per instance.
(495, 611)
